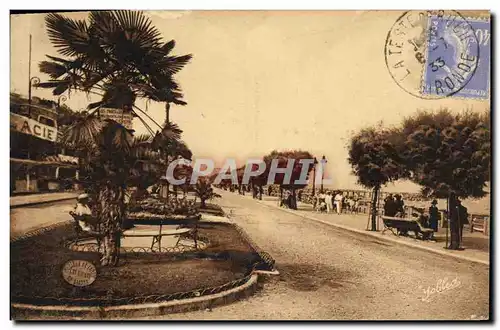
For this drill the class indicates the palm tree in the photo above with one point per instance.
(170, 145)
(111, 161)
(120, 56)
(204, 191)
(117, 54)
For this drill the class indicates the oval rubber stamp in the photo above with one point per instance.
(79, 272)
(431, 54)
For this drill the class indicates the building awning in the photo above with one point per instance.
(42, 163)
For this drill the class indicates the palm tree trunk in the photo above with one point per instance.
(111, 213)
(167, 113)
(167, 122)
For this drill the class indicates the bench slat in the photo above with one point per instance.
(150, 232)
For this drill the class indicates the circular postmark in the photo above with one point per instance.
(79, 272)
(431, 54)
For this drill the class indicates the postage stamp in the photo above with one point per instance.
(434, 54)
(458, 57)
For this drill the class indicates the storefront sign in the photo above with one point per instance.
(121, 116)
(30, 126)
(79, 272)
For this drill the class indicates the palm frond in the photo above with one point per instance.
(173, 64)
(115, 137)
(70, 36)
(85, 131)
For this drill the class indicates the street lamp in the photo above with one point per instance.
(59, 99)
(33, 81)
(323, 162)
(314, 176)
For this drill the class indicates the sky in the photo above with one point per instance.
(262, 80)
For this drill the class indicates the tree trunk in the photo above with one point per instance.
(111, 211)
(168, 189)
(374, 208)
(293, 204)
(203, 203)
(454, 223)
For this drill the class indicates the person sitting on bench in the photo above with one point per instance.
(83, 214)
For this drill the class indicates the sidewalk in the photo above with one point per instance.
(477, 246)
(33, 199)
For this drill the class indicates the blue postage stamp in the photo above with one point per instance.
(458, 58)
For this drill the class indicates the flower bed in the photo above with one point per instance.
(36, 264)
(171, 207)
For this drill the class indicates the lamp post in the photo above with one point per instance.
(314, 176)
(33, 81)
(59, 99)
(323, 162)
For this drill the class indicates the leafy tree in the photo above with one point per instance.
(283, 157)
(374, 154)
(111, 160)
(449, 156)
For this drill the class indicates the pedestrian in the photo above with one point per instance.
(433, 216)
(463, 217)
(339, 198)
(356, 205)
(83, 214)
(321, 205)
(389, 206)
(399, 206)
(328, 202)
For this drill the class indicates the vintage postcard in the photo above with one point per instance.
(250, 165)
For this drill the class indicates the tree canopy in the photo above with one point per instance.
(441, 151)
(448, 153)
(374, 156)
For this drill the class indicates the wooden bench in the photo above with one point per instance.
(402, 225)
(156, 234)
(137, 232)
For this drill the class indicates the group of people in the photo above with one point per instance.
(394, 206)
(330, 202)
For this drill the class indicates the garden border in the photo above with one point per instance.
(245, 287)
(141, 310)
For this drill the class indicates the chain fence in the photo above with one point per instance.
(263, 262)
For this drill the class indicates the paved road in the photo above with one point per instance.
(25, 219)
(327, 273)
(331, 274)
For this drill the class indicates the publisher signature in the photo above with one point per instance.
(441, 286)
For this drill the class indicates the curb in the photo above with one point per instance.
(41, 202)
(139, 310)
(21, 311)
(373, 235)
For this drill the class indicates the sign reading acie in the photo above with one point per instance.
(32, 127)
